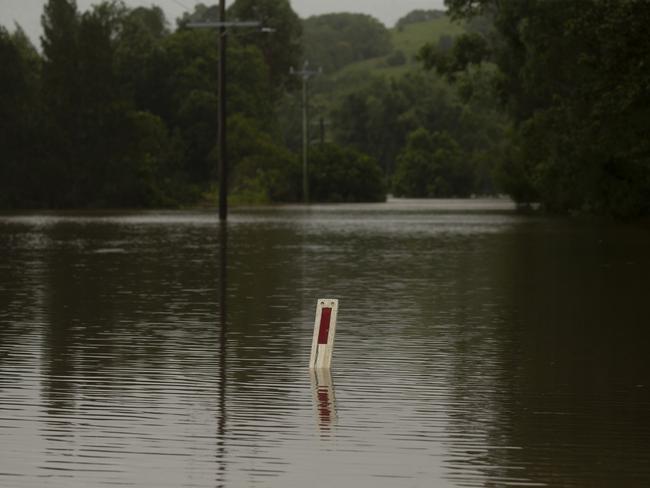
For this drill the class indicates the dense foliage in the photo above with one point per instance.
(336, 40)
(417, 16)
(19, 126)
(575, 79)
(118, 110)
(432, 166)
(546, 102)
(339, 174)
(382, 118)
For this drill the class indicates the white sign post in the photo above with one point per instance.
(324, 331)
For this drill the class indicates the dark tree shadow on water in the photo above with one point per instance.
(223, 350)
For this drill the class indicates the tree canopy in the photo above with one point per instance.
(546, 102)
(336, 40)
(574, 78)
(120, 110)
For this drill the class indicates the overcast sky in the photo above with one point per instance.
(28, 12)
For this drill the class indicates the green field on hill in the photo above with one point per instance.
(407, 40)
(412, 37)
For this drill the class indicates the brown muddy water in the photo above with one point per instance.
(475, 348)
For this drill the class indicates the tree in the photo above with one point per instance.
(151, 173)
(138, 58)
(99, 109)
(264, 171)
(378, 118)
(571, 76)
(189, 93)
(338, 174)
(60, 47)
(432, 166)
(417, 16)
(336, 40)
(94, 153)
(468, 49)
(282, 48)
(201, 13)
(152, 19)
(19, 120)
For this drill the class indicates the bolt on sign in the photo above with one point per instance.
(324, 331)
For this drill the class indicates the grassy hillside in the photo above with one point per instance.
(411, 37)
(408, 39)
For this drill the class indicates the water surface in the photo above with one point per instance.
(475, 347)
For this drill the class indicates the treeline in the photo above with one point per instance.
(574, 78)
(336, 40)
(430, 143)
(117, 110)
(417, 16)
(545, 102)
(431, 140)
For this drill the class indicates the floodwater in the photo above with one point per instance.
(475, 347)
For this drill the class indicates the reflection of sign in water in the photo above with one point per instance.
(324, 401)
(324, 331)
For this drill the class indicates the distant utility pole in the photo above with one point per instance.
(305, 73)
(223, 27)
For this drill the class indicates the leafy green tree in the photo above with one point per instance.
(100, 108)
(119, 111)
(85, 109)
(19, 120)
(189, 93)
(188, 62)
(339, 174)
(151, 172)
(468, 49)
(152, 19)
(377, 118)
(61, 85)
(417, 16)
(264, 170)
(248, 90)
(571, 76)
(432, 166)
(94, 128)
(196, 123)
(282, 48)
(139, 58)
(201, 13)
(336, 40)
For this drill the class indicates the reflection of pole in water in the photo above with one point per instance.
(324, 399)
(223, 337)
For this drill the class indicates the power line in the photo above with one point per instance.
(223, 26)
(305, 73)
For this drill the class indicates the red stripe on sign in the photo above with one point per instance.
(324, 329)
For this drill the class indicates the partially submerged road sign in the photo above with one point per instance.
(324, 331)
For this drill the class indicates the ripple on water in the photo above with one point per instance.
(132, 354)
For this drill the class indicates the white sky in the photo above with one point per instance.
(28, 12)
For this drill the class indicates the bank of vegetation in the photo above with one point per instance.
(542, 101)
(574, 80)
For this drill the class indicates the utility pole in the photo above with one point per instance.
(305, 73)
(222, 113)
